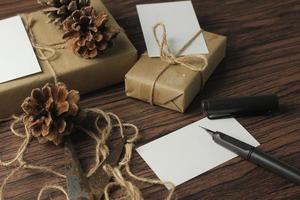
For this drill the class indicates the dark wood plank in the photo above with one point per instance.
(263, 56)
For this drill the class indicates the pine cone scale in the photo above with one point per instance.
(45, 130)
(61, 126)
(71, 34)
(101, 19)
(93, 53)
(73, 97)
(37, 129)
(47, 10)
(29, 106)
(72, 6)
(102, 46)
(62, 108)
(51, 135)
(62, 10)
(73, 109)
(38, 96)
(62, 94)
(48, 120)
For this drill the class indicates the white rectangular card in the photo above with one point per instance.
(17, 57)
(181, 23)
(190, 151)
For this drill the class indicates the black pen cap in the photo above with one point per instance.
(225, 107)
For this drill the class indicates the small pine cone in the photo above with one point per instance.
(87, 32)
(49, 112)
(59, 10)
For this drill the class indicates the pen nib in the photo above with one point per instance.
(208, 130)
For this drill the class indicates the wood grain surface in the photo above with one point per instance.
(263, 56)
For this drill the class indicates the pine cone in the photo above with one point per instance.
(87, 32)
(59, 10)
(49, 112)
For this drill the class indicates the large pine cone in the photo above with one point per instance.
(49, 112)
(59, 10)
(88, 33)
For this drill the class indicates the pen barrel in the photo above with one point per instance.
(218, 108)
(258, 157)
(280, 168)
(236, 146)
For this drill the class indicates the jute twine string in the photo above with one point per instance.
(53, 187)
(174, 59)
(101, 136)
(19, 158)
(132, 192)
(27, 136)
(52, 49)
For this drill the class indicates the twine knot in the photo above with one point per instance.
(167, 56)
(175, 59)
(171, 59)
(22, 164)
(132, 191)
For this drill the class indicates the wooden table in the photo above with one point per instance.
(263, 57)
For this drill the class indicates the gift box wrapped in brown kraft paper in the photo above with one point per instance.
(78, 73)
(176, 86)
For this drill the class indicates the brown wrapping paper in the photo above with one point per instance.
(78, 73)
(178, 85)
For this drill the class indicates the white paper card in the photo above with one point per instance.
(181, 23)
(17, 57)
(190, 151)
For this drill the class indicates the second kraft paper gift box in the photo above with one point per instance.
(177, 86)
(78, 73)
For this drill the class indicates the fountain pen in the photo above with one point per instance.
(256, 156)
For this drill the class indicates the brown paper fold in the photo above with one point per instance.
(178, 85)
(78, 73)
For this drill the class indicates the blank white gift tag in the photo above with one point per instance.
(17, 57)
(190, 151)
(181, 23)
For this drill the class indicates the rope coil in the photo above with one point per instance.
(101, 137)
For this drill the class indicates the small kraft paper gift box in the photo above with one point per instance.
(84, 75)
(173, 83)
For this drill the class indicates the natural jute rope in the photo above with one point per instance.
(173, 59)
(52, 49)
(101, 137)
(19, 158)
(53, 187)
(27, 137)
(132, 192)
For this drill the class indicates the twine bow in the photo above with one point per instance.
(174, 59)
